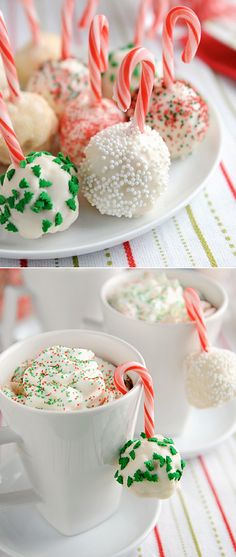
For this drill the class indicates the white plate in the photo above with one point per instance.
(206, 429)
(24, 533)
(93, 232)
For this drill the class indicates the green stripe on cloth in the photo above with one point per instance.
(160, 249)
(220, 224)
(187, 516)
(184, 242)
(108, 256)
(178, 528)
(201, 238)
(75, 261)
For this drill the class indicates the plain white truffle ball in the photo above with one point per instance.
(34, 122)
(150, 467)
(40, 196)
(125, 171)
(31, 56)
(210, 377)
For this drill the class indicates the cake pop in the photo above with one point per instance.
(90, 113)
(116, 57)
(60, 81)
(210, 374)
(42, 47)
(126, 166)
(150, 466)
(27, 110)
(38, 193)
(177, 111)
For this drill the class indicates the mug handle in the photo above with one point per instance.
(24, 496)
(9, 316)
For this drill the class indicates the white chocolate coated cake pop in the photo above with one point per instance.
(34, 122)
(31, 56)
(150, 467)
(125, 171)
(59, 82)
(210, 377)
(39, 196)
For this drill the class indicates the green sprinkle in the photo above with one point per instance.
(71, 204)
(46, 224)
(44, 183)
(114, 64)
(161, 444)
(171, 476)
(137, 445)
(173, 450)
(112, 78)
(58, 219)
(168, 440)
(120, 480)
(139, 476)
(15, 193)
(136, 72)
(10, 174)
(183, 464)
(130, 481)
(149, 465)
(4, 216)
(43, 203)
(11, 227)
(150, 477)
(126, 446)
(2, 200)
(74, 185)
(23, 163)
(159, 457)
(2, 177)
(116, 474)
(132, 454)
(152, 440)
(36, 170)
(11, 202)
(143, 435)
(123, 461)
(24, 184)
(168, 464)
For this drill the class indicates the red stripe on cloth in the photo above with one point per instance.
(228, 179)
(129, 254)
(159, 542)
(23, 263)
(213, 489)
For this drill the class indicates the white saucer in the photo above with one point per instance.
(93, 232)
(206, 429)
(24, 533)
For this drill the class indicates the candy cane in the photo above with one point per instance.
(33, 20)
(67, 27)
(160, 8)
(194, 37)
(8, 60)
(140, 21)
(88, 14)
(98, 54)
(9, 135)
(122, 86)
(146, 378)
(195, 312)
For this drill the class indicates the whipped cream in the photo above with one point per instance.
(62, 378)
(153, 297)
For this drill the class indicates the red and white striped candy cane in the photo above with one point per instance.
(193, 40)
(32, 16)
(98, 54)
(195, 312)
(122, 92)
(88, 14)
(67, 28)
(146, 379)
(8, 60)
(160, 8)
(9, 135)
(140, 21)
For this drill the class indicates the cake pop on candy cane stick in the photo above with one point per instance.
(210, 374)
(150, 466)
(117, 56)
(60, 81)
(126, 166)
(38, 194)
(42, 47)
(177, 111)
(90, 113)
(33, 120)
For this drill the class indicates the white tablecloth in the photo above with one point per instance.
(202, 234)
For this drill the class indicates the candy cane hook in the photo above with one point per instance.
(195, 312)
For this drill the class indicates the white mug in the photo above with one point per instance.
(165, 345)
(62, 298)
(70, 457)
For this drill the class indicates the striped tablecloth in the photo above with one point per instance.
(202, 234)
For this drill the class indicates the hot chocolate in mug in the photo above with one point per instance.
(70, 457)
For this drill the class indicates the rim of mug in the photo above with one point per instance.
(80, 411)
(219, 310)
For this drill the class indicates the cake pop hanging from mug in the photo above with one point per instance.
(43, 46)
(177, 111)
(60, 81)
(210, 373)
(90, 112)
(126, 166)
(150, 466)
(38, 193)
